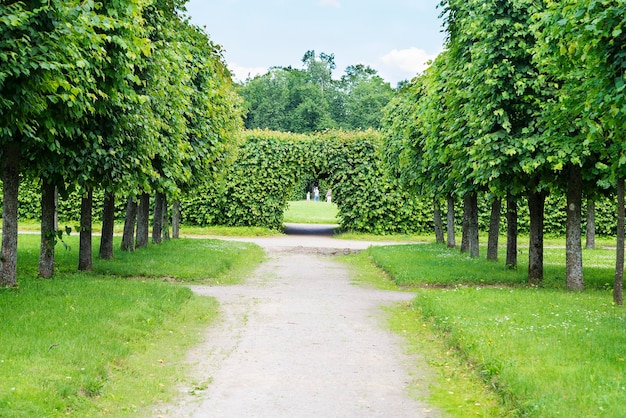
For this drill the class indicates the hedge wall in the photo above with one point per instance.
(272, 168)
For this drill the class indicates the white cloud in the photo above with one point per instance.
(330, 3)
(242, 73)
(411, 60)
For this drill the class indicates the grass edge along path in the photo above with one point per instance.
(93, 344)
(544, 352)
(450, 384)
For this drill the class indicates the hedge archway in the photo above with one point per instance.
(256, 188)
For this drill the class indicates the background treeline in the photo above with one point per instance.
(307, 100)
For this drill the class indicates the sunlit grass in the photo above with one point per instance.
(111, 342)
(435, 265)
(206, 260)
(545, 352)
(65, 344)
(310, 212)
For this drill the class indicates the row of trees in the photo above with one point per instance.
(123, 95)
(528, 98)
(309, 100)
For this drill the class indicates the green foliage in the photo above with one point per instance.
(256, 188)
(309, 100)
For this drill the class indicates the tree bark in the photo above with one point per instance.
(473, 226)
(166, 219)
(128, 236)
(618, 281)
(511, 232)
(450, 223)
(176, 220)
(85, 255)
(157, 221)
(573, 247)
(494, 229)
(437, 220)
(590, 235)
(108, 220)
(143, 221)
(48, 230)
(536, 204)
(10, 186)
(465, 236)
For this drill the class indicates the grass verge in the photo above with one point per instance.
(92, 344)
(448, 382)
(437, 266)
(209, 261)
(544, 352)
(227, 231)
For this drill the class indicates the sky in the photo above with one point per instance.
(394, 37)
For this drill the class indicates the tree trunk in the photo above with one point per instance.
(85, 256)
(473, 226)
(590, 236)
(48, 230)
(511, 232)
(143, 220)
(494, 229)
(465, 237)
(157, 221)
(10, 186)
(166, 220)
(108, 220)
(128, 237)
(573, 247)
(176, 220)
(437, 220)
(618, 281)
(450, 224)
(536, 204)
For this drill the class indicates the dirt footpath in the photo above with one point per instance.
(299, 340)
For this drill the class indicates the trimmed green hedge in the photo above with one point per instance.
(272, 168)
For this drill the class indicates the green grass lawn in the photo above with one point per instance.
(544, 352)
(310, 212)
(111, 342)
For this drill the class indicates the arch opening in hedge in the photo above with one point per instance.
(257, 187)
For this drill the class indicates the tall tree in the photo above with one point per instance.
(581, 52)
(47, 51)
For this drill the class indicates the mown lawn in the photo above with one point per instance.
(543, 351)
(111, 342)
(310, 212)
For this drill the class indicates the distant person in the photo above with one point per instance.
(308, 196)
(316, 194)
(329, 196)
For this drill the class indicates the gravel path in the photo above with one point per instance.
(297, 339)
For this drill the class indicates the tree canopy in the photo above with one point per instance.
(526, 99)
(310, 100)
(125, 96)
